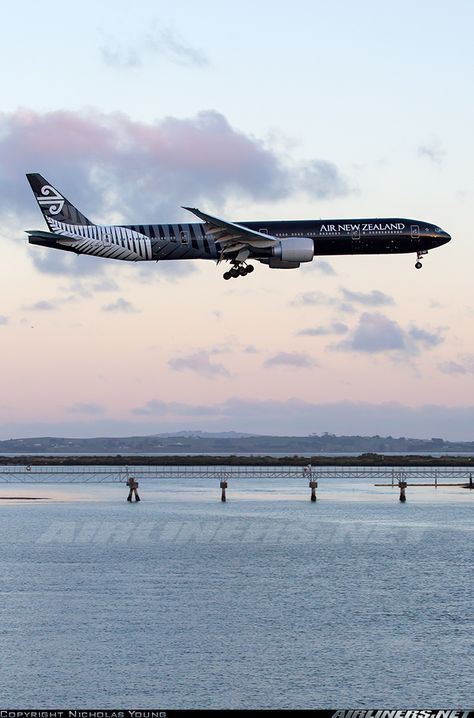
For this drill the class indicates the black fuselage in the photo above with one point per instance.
(191, 241)
(359, 236)
(391, 235)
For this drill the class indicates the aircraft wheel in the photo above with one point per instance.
(418, 265)
(234, 273)
(242, 271)
(249, 269)
(226, 275)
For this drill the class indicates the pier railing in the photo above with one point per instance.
(121, 473)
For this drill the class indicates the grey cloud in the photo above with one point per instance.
(425, 338)
(152, 272)
(323, 267)
(336, 328)
(290, 359)
(57, 262)
(225, 348)
(376, 333)
(85, 288)
(164, 43)
(157, 407)
(200, 363)
(464, 366)
(312, 299)
(433, 151)
(42, 306)
(120, 56)
(346, 308)
(452, 367)
(170, 44)
(86, 408)
(154, 407)
(3, 319)
(323, 180)
(120, 305)
(105, 285)
(375, 298)
(345, 301)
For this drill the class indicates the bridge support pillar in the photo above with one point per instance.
(313, 485)
(223, 486)
(402, 486)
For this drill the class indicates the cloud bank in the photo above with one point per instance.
(117, 169)
(291, 417)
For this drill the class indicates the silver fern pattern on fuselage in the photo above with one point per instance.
(102, 241)
(136, 243)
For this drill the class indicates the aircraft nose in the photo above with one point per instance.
(442, 237)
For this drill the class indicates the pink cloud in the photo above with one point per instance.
(110, 162)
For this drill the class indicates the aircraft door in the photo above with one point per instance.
(415, 231)
(355, 239)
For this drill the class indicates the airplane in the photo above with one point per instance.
(277, 244)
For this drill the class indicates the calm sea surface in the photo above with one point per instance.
(266, 601)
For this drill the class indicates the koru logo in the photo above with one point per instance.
(51, 199)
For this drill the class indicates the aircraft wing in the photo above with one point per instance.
(232, 237)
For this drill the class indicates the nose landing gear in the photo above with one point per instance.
(239, 269)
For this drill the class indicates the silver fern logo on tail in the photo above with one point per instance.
(51, 200)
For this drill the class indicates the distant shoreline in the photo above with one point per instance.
(23, 498)
(366, 459)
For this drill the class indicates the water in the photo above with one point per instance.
(266, 601)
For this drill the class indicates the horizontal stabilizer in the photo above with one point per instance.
(50, 236)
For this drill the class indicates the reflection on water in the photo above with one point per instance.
(267, 600)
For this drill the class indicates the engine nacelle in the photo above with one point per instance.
(294, 249)
(279, 264)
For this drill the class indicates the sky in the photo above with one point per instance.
(268, 110)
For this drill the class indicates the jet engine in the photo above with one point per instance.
(294, 249)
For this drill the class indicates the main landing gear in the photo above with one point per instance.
(240, 269)
(418, 264)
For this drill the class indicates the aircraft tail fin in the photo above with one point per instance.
(54, 206)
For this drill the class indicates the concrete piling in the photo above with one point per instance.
(313, 485)
(133, 486)
(402, 486)
(223, 486)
